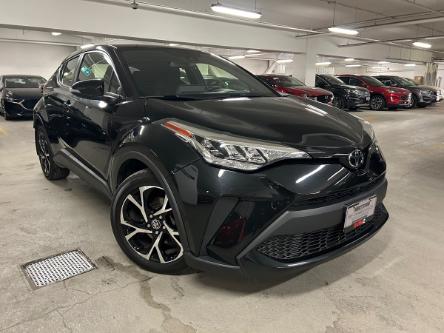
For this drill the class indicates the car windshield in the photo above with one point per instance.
(332, 79)
(372, 81)
(188, 74)
(408, 82)
(288, 81)
(23, 81)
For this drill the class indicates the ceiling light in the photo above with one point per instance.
(253, 51)
(355, 65)
(86, 46)
(172, 44)
(379, 67)
(253, 54)
(410, 65)
(349, 59)
(422, 45)
(236, 57)
(324, 63)
(383, 62)
(343, 31)
(218, 8)
(284, 61)
(55, 33)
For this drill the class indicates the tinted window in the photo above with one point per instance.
(68, 72)
(95, 65)
(355, 82)
(23, 81)
(372, 81)
(332, 79)
(289, 81)
(160, 72)
(345, 79)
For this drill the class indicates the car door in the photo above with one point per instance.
(57, 98)
(91, 118)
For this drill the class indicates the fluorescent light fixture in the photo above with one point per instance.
(56, 33)
(172, 44)
(410, 65)
(383, 62)
(253, 54)
(343, 31)
(218, 8)
(324, 63)
(378, 67)
(253, 51)
(86, 46)
(422, 45)
(284, 61)
(354, 65)
(236, 57)
(349, 59)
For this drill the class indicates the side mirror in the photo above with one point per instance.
(90, 89)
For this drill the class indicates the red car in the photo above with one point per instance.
(381, 96)
(290, 85)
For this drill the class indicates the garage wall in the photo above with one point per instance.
(253, 65)
(33, 59)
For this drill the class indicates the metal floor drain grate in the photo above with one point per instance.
(43, 272)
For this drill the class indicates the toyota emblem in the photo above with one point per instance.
(356, 158)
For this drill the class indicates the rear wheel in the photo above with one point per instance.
(145, 226)
(377, 103)
(50, 169)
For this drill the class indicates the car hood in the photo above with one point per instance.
(432, 88)
(293, 121)
(309, 91)
(25, 93)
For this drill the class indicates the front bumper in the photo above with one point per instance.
(229, 215)
(357, 101)
(396, 100)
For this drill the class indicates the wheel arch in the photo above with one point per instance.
(142, 156)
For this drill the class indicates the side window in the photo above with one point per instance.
(386, 82)
(355, 82)
(95, 65)
(345, 79)
(68, 72)
(319, 82)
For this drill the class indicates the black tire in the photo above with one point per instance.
(377, 103)
(414, 102)
(154, 240)
(50, 169)
(339, 102)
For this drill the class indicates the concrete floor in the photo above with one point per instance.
(393, 283)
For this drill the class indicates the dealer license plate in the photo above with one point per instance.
(358, 213)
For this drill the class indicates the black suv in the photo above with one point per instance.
(215, 174)
(421, 95)
(346, 96)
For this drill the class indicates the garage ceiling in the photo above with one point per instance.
(398, 21)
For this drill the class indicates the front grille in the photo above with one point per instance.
(30, 103)
(288, 248)
(404, 97)
(324, 99)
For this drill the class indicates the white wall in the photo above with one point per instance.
(254, 66)
(33, 59)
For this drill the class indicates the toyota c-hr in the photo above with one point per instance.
(207, 166)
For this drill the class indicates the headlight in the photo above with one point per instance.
(232, 152)
(9, 96)
(391, 91)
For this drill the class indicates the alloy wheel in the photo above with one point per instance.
(377, 103)
(149, 226)
(43, 153)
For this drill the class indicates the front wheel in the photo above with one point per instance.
(50, 169)
(377, 103)
(414, 102)
(339, 102)
(145, 226)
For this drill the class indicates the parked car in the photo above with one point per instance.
(421, 96)
(241, 179)
(290, 85)
(19, 94)
(436, 91)
(381, 96)
(345, 96)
